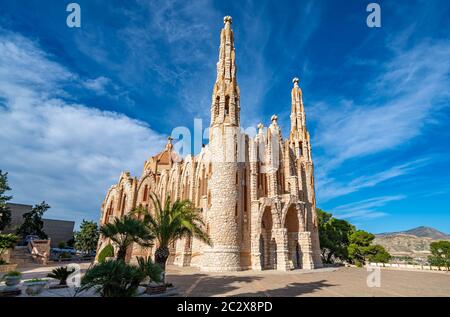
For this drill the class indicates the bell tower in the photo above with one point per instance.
(224, 135)
(300, 143)
(225, 106)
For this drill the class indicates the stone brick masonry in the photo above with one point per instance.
(256, 194)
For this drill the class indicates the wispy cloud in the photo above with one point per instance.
(98, 85)
(331, 188)
(407, 95)
(365, 209)
(67, 154)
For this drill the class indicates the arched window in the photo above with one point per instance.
(227, 105)
(145, 193)
(216, 107)
(124, 201)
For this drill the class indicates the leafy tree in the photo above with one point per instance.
(33, 223)
(125, 231)
(71, 242)
(7, 241)
(87, 238)
(359, 241)
(5, 213)
(440, 254)
(334, 237)
(113, 279)
(377, 253)
(172, 222)
(361, 249)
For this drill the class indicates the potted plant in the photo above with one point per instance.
(35, 286)
(12, 279)
(61, 274)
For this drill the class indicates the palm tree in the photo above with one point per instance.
(126, 230)
(174, 221)
(61, 274)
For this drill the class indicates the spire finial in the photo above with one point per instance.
(260, 127)
(227, 19)
(295, 80)
(274, 118)
(169, 144)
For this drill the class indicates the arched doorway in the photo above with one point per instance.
(291, 223)
(267, 243)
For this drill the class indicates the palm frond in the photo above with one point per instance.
(175, 220)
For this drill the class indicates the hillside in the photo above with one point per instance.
(414, 243)
(421, 232)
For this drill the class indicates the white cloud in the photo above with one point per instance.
(65, 154)
(99, 84)
(365, 209)
(330, 187)
(407, 95)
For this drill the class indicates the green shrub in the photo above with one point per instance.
(113, 278)
(152, 270)
(35, 280)
(61, 245)
(65, 255)
(61, 274)
(106, 252)
(7, 241)
(12, 274)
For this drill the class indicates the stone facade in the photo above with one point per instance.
(256, 194)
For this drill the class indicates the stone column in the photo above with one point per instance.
(255, 252)
(293, 185)
(304, 240)
(282, 249)
(224, 255)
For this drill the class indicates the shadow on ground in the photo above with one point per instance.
(290, 290)
(207, 285)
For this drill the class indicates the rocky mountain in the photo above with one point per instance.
(414, 243)
(421, 232)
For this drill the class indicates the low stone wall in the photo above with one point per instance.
(408, 266)
(4, 268)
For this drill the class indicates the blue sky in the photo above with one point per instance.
(78, 106)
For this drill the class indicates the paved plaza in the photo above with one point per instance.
(336, 282)
(344, 281)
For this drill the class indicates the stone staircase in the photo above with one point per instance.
(22, 256)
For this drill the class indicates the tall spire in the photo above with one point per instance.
(225, 98)
(298, 122)
(299, 136)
